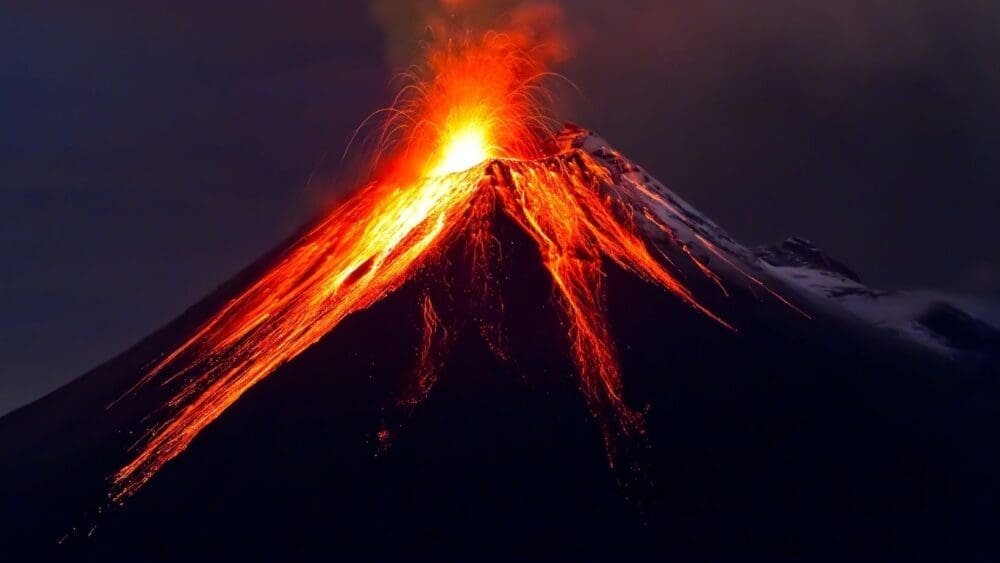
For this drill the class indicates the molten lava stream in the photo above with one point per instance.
(471, 151)
(364, 250)
(559, 203)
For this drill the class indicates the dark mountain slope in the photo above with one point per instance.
(794, 436)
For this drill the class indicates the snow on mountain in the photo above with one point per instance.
(933, 319)
(947, 324)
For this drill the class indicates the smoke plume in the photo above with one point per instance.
(412, 26)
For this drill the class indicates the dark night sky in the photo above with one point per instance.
(149, 153)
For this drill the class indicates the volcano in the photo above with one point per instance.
(596, 367)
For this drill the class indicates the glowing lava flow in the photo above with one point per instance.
(363, 251)
(472, 152)
(560, 204)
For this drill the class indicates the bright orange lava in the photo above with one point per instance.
(469, 149)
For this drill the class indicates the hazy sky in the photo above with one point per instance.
(149, 153)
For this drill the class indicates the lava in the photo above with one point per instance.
(471, 141)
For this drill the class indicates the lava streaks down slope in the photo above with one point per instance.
(772, 419)
(474, 142)
(371, 244)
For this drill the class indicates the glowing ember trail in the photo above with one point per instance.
(467, 147)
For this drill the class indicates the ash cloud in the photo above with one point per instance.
(410, 26)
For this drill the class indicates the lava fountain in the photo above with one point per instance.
(468, 139)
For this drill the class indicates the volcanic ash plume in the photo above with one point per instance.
(411, 26)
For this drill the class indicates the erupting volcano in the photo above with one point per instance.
(397, 372)
(474, 146)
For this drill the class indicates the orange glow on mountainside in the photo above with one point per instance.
(463, 146)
